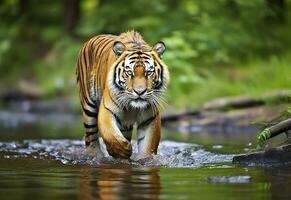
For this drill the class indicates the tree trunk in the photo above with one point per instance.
(281, 127)
(71, 15)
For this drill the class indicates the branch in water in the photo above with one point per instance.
(273, 131)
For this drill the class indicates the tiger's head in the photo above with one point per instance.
(139, 76)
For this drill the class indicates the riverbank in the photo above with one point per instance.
(230, 115)
(225, 115)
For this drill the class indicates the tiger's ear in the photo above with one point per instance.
(160, 48)
(118, 48)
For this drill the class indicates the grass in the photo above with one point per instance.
(251, 78)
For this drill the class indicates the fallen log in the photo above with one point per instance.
(283, 96)
(233, 103)
(270, 132)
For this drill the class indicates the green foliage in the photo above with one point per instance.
(183, 75)
(251, 78)
(263, 137)
(214, 48)
(61, 67)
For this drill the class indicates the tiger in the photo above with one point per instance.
(122, 81)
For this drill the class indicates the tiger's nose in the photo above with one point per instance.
(140, 91)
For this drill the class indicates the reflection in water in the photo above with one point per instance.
(279, 179)
(36, 175)
(60, 169)
(121, 182)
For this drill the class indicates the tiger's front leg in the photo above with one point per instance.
(116, 144)
(148, 136)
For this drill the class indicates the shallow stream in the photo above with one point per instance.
(48, 161)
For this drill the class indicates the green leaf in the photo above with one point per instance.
(263, 137)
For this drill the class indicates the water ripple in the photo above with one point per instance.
(72, 152)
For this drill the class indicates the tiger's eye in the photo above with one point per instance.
(129, 73)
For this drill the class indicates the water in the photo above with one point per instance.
(72, 152)
(49, 162)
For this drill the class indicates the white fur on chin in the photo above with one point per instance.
(138, 104)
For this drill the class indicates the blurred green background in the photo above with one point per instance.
(214, 48)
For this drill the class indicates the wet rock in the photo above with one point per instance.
(271, 157)
(229, 179)
(23, 90)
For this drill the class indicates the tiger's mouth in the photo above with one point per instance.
(139, 102)
(139, 99)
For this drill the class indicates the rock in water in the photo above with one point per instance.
(229, 179)
(271, 157)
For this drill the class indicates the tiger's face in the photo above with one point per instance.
(140, 77)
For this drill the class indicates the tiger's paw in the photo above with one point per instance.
(119, 148)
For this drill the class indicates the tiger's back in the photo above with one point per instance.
(93, 63)
(91, 71)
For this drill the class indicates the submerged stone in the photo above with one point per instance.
(229, 179)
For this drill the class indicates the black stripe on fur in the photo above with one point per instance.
(146, 122)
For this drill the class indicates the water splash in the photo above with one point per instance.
(72, 152)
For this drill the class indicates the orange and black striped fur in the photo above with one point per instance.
(121, 80)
